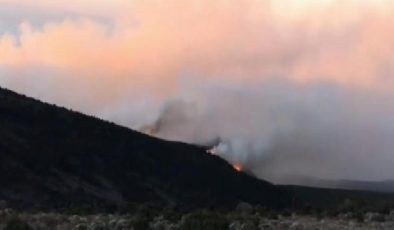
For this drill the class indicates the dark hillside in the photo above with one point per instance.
(51, 157)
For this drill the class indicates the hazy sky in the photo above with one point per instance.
(290, 86)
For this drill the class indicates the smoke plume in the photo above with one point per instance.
(282, 87)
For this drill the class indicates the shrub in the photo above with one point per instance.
(16, 223)
(204, 220)
(140, 222)
(359, 216)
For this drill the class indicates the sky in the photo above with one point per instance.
(287, 86)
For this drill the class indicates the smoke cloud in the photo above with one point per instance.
(284, 87)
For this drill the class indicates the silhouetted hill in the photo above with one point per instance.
(386, 186)
(377, 186)
(51, 157)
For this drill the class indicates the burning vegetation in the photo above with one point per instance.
(216, 150)
(237, 167)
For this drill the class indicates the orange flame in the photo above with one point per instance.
(237, 167)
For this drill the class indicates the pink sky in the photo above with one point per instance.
(125, 60)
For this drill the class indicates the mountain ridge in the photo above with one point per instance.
(52, 157)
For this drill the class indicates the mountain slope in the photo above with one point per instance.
(386, 186)
(51, 157)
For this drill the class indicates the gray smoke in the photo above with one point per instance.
(280, 87)
(278, 129)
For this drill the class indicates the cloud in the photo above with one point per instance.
(285, 84)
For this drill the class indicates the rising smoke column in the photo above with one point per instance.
(287, 87)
